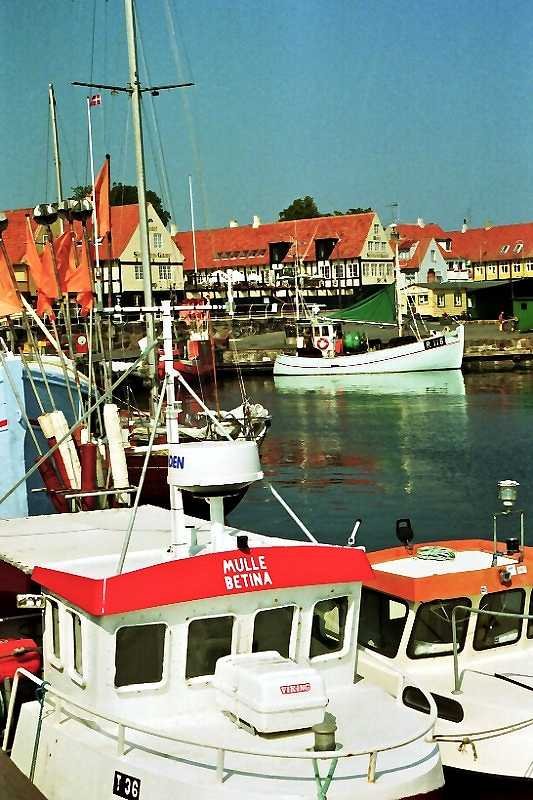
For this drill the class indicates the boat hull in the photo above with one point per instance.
(437, 352)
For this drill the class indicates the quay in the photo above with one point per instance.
(13, 784)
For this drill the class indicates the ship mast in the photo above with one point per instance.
(55, 137)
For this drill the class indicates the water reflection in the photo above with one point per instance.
(439, 381)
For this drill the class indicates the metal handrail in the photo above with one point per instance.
(458, 679)
(123, 725)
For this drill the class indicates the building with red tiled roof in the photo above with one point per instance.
(498, 252)
(334, 254)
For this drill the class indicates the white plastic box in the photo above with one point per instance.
(269, 692)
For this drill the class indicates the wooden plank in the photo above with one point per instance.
(13, 784)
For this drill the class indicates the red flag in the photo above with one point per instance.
(9, 298)
(44, 306)
(63, 249)
(95, 100)
(101, 192)
(78, 278)
(86, 301)
(41, 270)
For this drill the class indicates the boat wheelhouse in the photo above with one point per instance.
(456, 617)
(207, 672)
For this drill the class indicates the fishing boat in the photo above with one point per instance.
(189, 657)
(323, 348)
(456, 617)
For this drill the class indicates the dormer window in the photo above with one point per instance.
(139, 654)
(519, 246)
(504, 248)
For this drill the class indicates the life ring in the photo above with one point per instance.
(81, 345)
(322, 343)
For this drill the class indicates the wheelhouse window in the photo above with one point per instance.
(432, 630)
(77, 644)
(272, 630)
(328, 626)
(55, 628)
(381, 622)
(139, 654)
(494, 631)
(209, 639)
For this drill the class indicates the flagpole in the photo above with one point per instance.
(98, 276)
(57, 160)
(193, 232)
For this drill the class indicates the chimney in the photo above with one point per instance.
(420, 222)
(464, 227)
(256, 222)
(233, 223)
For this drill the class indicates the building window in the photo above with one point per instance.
(165, 272)
(433, 255)
(505, 268)
(497, 631)
(328, 626)
(139, 654)
(326, 271)
(457, 300)
(441, 300)
(371, 247)
(138, 272)
(339, 270)
(376, 229)
(352, 270)
(272, 630)
(423, 299)
(158, 241)
(516, 267)
(519, 246)
(504, 248)
(209, 639)
(381, 622)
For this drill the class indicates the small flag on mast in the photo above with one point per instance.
(95, 100)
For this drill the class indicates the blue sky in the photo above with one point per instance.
(428, 104)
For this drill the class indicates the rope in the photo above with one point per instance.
(40, 694)
(435, 553)
(480, 736)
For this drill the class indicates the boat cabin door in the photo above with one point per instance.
(325, 338)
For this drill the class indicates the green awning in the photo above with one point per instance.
(379, 307)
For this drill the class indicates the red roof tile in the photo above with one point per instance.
(350, 231)
(485, 244)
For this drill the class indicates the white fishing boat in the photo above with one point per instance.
(456, 617)
(188, 657)
(322, 350)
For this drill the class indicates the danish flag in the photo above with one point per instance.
(95, 100)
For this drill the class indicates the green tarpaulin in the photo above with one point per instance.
(380, 307)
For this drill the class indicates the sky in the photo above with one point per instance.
(357, 103)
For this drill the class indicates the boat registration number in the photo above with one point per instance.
(438, 341)
(126, 786)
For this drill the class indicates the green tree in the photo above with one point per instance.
(358, 210)
(122, 194)
(301, 208)
(80, 192)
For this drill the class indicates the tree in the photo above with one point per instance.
(358, 210)
(122, 195)
(301, 208)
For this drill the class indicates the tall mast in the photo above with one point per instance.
(55, 137)
(135, 87)
(193, 230)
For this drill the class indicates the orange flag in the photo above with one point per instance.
(41, 270)
(9, 298)
(86, 301)
(78, 277)
(44, 306)
(101, 191)
(63, 249)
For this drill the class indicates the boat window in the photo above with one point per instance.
(381, 622)
(139, 654)
(530, 621)
(432, 630)
(56, 631)
(328, 626)
(77, 653)
(209, 639)
(272, 630)
(325, 330)
(497, 631)
(446, 707)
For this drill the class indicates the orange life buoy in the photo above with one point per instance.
(322, 343)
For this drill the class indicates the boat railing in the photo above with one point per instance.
(60, 702)
(458, 676)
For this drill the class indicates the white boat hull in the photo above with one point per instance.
(437, 352)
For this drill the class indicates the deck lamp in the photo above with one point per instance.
(508, 492)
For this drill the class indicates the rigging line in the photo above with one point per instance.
(157, 145)
(91, 71)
